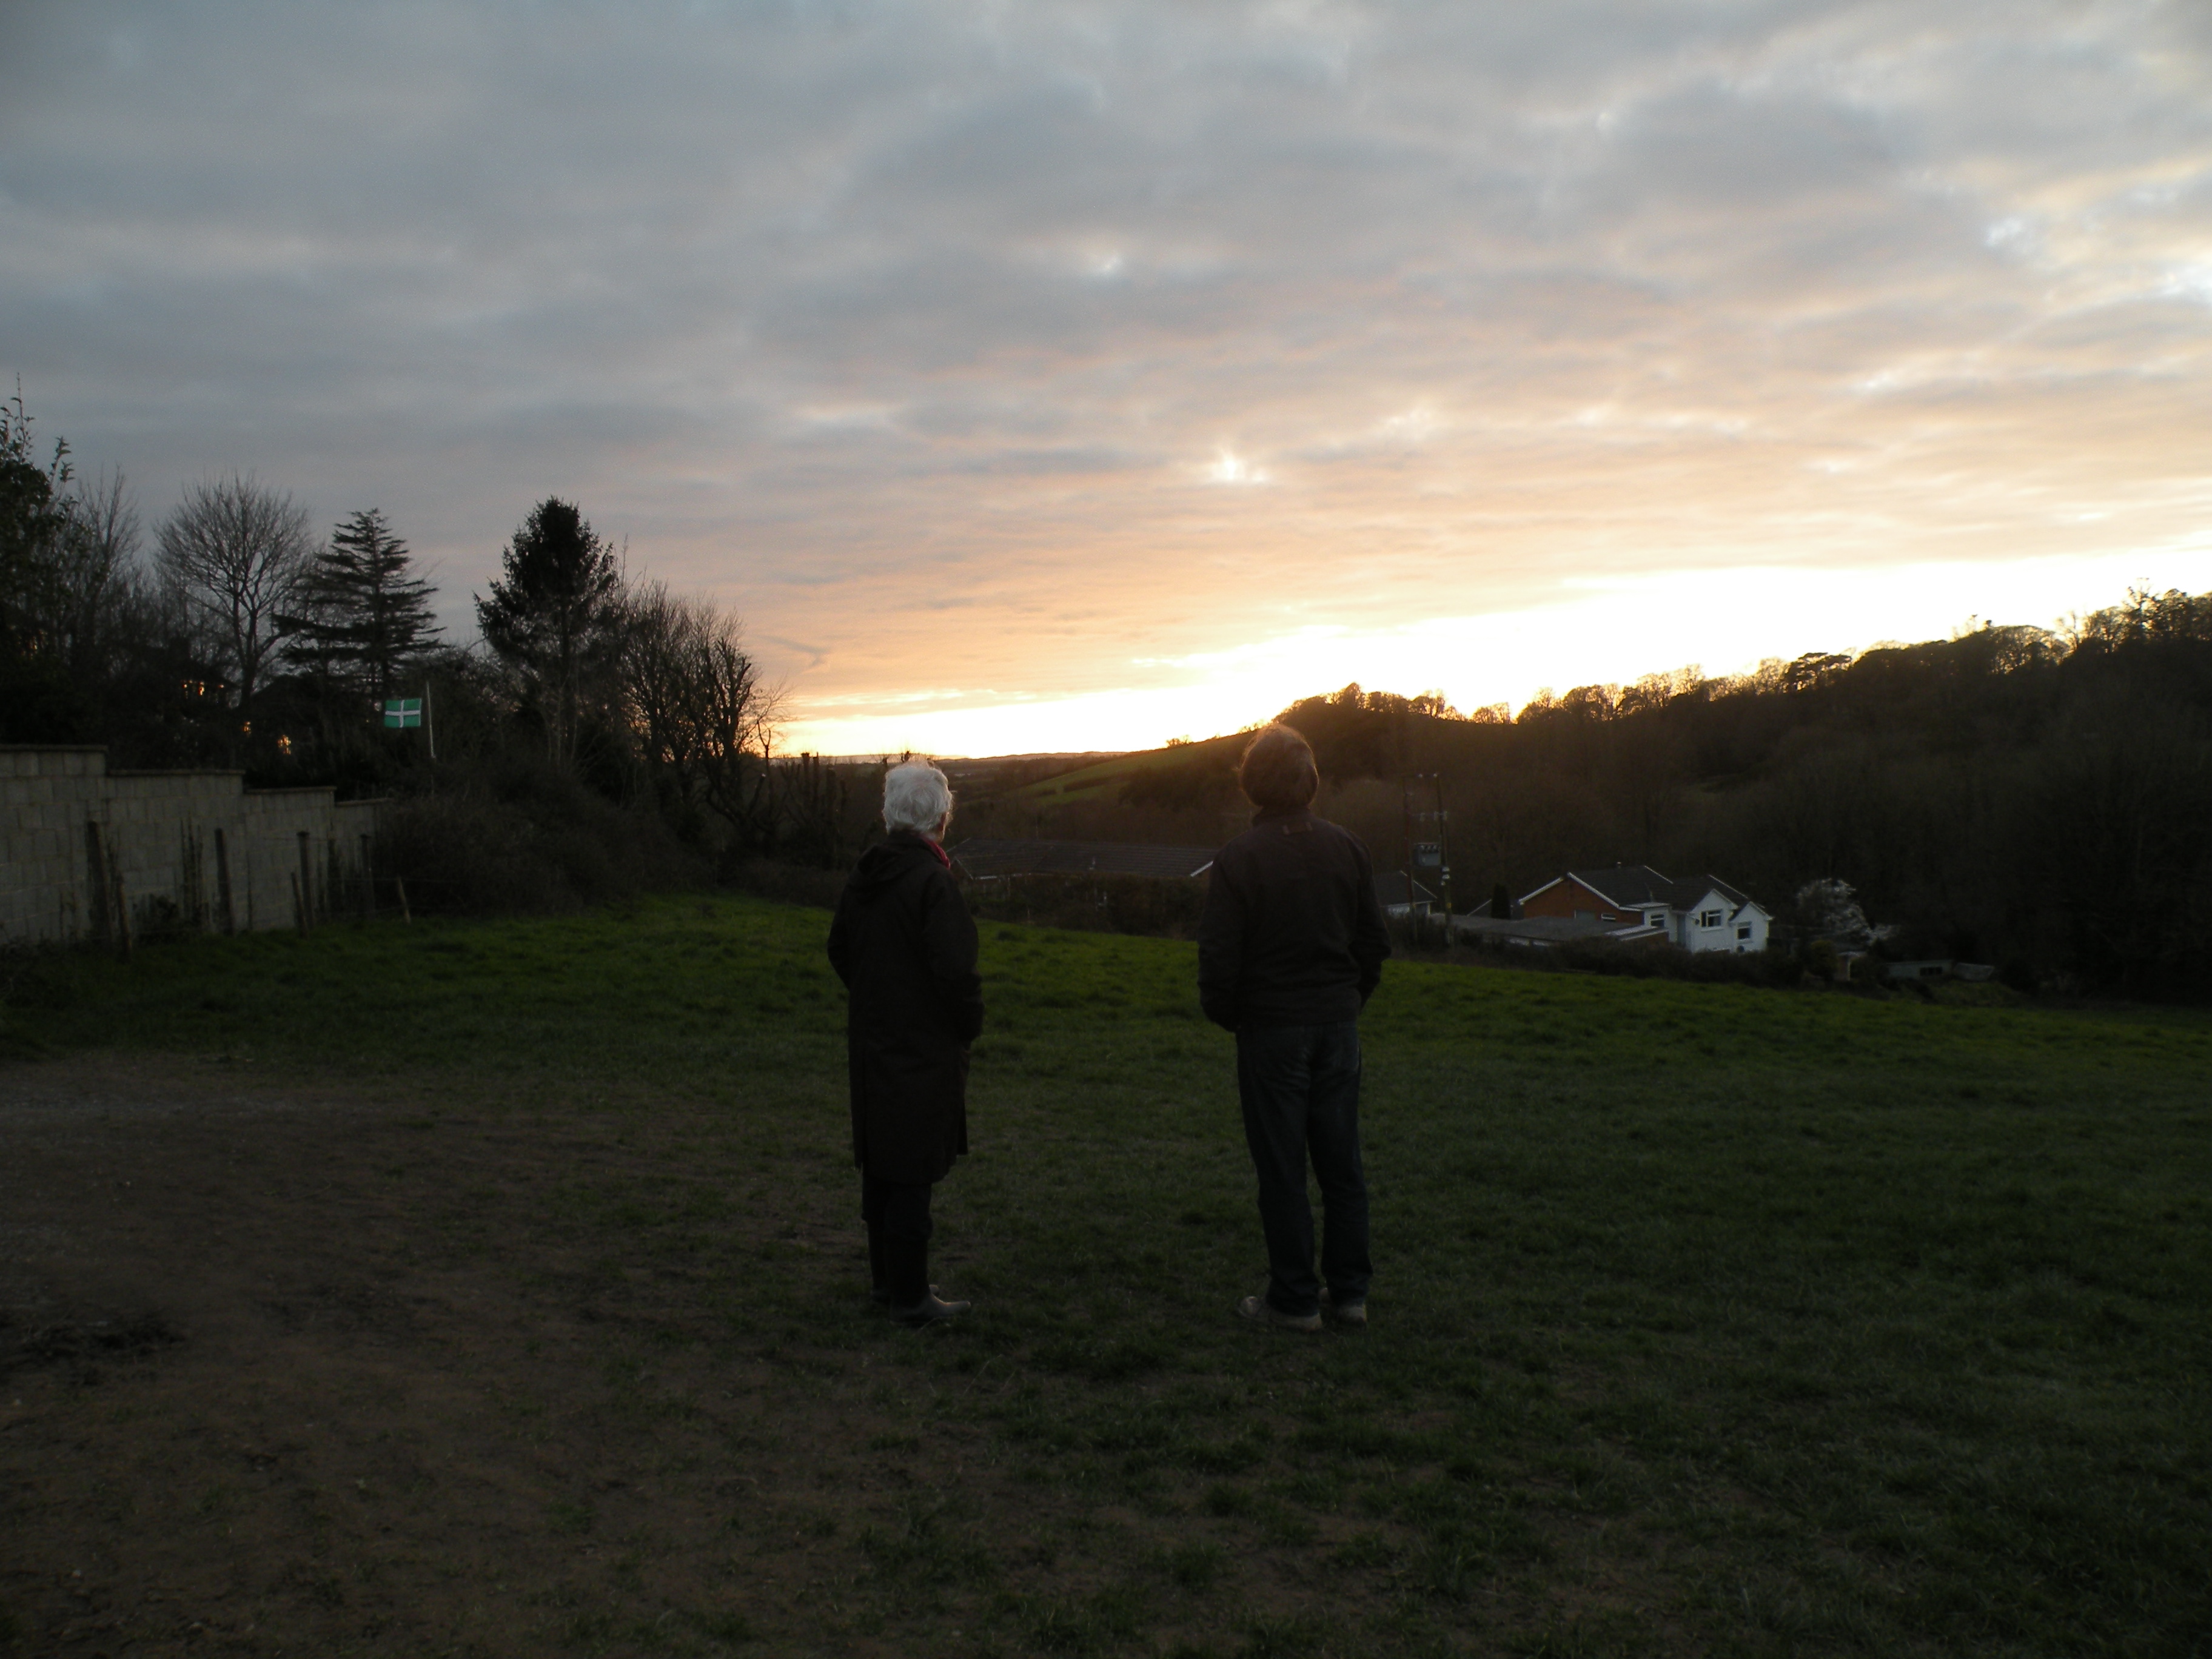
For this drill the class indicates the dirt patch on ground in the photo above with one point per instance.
(264, 1388)
(288, 1369)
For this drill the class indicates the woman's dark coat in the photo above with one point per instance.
(905, 947)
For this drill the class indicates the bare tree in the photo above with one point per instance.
(238, 551)
(97, 577)
(705, 723)
(739, 717)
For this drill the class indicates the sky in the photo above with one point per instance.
(1067, 377)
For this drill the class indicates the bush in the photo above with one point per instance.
(1095, 904)
(1086, 903)
(1775, 968)
(785, 884)
(551, 846)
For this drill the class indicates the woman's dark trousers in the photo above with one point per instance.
(1300, 1086)
(898, 1214)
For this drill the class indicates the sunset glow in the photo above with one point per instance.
(1075, 377)
(1613, 635)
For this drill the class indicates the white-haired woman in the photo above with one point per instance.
(905, 947)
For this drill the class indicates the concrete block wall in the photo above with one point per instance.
(198, 850)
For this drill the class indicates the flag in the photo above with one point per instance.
(403, 711)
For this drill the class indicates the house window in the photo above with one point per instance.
(1657, 919)
(1743, 932)
(1709, 917)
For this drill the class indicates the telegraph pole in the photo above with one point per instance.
(1444, 859)
(1429, 855)
(1412, 852)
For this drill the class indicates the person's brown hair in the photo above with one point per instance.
(1278, 773)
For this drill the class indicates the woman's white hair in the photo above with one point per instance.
(915, 797)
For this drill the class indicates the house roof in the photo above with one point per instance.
(982, 857)
(1628, 884)
(1696, 887)
(1632, 885)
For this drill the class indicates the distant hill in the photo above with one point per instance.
(2037, 799)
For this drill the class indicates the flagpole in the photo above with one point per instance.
(429, 720)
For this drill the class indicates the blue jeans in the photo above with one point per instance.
(1299, 1086)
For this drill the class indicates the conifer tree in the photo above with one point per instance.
(365, 611)
(36, 526)
(553, 614)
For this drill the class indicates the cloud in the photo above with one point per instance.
(915, 332)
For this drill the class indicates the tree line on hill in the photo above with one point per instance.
(2041, 801)
(608, 731)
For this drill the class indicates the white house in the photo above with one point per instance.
(1698, 913)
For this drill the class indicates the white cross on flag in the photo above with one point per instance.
(403, 711)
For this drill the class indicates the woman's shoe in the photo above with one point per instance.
(930, 1309)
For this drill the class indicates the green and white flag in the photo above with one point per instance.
(403, 711)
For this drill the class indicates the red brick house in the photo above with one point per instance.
(1698, 913)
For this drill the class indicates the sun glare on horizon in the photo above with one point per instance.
(1611, 631)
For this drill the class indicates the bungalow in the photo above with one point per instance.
(1698, 913)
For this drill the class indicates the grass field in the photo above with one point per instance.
(1706, 1319)
(1101, 780)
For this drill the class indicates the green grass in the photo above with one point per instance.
(1707, 1319)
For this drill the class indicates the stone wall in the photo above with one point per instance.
(86, 852)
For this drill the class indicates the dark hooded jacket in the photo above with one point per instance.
(1292, 933)
(905, 947)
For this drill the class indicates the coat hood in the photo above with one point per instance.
(888, 861)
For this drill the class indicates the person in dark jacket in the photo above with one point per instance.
(905, 947)
(1290, 945)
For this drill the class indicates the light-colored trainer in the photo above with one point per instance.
(1261, 1311)
(1353, 1312)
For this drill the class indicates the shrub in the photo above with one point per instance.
(1776, 969)
(544, 848)
(1095, 904)
(785, 884)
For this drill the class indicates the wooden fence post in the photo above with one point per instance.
(303, 886)
(122, 904)
(95, 880)
(228, 916)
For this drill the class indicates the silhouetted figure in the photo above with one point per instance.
(905, 947)
(1290, 945)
